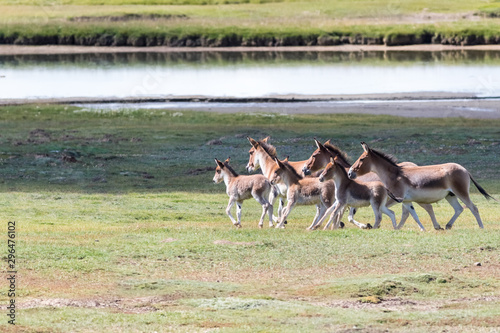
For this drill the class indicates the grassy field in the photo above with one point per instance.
(119, 227)
(249, 23)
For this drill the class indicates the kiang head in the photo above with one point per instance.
(318, 158)
(329, 171)
(363, 163)
(220, 169)
(253, 162)
(278, 171)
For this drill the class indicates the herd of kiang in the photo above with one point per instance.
(330, 182)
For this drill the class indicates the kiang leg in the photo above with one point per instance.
(335, 217)
(273, 195)
(238, 212)
(265, 209)
(378, 215)
(232, 201)
(281, 206)
(391, 214)
(285, 213)
(327, 213)
(453, 201)
(463, 194)
(428, 208)
(320, 211)
(410, 208)
(351, 219)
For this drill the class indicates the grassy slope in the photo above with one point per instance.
(136, 225)
(306, 19)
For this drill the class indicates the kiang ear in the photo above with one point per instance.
(278, 162)
(227, 160)
(321, 146)
(327, 142)
(318, 144)
(286, 159)
(365, 147)
(265, 139)
(253, 142)
(332, 160)
(219, 163)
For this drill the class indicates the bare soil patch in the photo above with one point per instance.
(226, 242)
(126, 17)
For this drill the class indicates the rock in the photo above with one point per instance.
(215, 142)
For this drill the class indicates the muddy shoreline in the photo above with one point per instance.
(416, 105)
(74, 49)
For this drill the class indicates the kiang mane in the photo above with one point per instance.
(389, 158)
(334, 150)
(269, 149)
(292, 170)
(230, 169)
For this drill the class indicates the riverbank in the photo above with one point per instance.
(241, 24)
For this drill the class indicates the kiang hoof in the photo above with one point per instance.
(439, 228)
(342, 225)
(237, 226)
(260, 226)
(448, 227)
(368, 226)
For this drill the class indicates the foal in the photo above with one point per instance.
(421, 184)
(354, 194)
(240, 188)
(303, 191)
(262, 155)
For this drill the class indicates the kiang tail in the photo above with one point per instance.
(482, 190)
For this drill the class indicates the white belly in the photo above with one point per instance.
(426, 196)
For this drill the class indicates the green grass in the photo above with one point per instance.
(136, 225)
(244, 22)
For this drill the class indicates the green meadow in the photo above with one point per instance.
(247, 22)
(120, 228)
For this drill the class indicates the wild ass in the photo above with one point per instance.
(321, 157)
(262, 155)
(354, 193)
(303, 191)
(421, 184)
(240, 188)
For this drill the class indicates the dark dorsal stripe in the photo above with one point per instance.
(291, 170)
(335, 151)
(230, 169)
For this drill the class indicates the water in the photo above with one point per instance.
(251, 74)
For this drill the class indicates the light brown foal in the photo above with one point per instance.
(421, 184)
(240, 188)
(303, 191)
(354, 193)
(262, 155)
